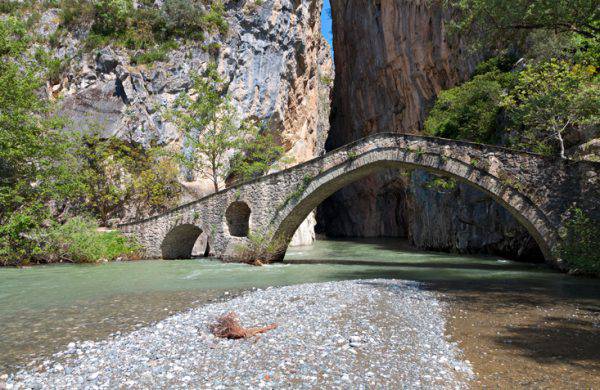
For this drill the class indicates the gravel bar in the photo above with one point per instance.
(351, 334)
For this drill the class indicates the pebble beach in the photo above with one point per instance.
(351, 334)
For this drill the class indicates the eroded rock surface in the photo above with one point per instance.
(278, 66)
(392, 59)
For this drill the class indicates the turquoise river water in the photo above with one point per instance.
(43, 308)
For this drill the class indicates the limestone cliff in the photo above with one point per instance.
(392, 58)
(274, 58)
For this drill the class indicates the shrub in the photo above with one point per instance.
(580, 246)
(214, 19)
(144, 26)
(16, 245)
(77, 13)
(112, 17)
(550, 101)
(441, 184)
(469, 111)
(258, 155)
(260, 248)
(117, 173)
(160, 53)
(155, 186)
(24, 240)
(182, 17)
(10, 6)
(79, 241)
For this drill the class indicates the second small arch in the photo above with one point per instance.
(238, 219)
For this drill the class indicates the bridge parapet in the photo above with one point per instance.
(537, 190)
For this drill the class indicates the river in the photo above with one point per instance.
(519, 324)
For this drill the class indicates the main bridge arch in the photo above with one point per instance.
(536, 190)
(359, 166)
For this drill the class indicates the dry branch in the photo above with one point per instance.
(228, 327)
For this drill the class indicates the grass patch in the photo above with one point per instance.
(157, 54)
(79, 241)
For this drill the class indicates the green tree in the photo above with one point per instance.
(550, 99)
(105, 175)
(212, 131)
(120, 175)
(48, 174)
(36, 163)
(579, 245)
(207, 121)
(112, 17)
(502, 21)
(257, 157)
(470, 111)
(155, 184)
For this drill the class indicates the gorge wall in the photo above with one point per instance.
(274, 58)
(392, 58)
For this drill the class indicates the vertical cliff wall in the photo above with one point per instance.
(392, 58)
(274, 58)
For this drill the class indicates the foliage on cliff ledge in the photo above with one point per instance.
(580, 246)
(540, 90)
(145, 24)
(134, 24)
(212, 130)
(47, 175)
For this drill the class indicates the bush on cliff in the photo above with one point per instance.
(78, 240)
(469, 112)
(540, 92)
(142, 25)
(580, 246)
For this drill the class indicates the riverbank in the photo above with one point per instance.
(364, 333)
(525, 336)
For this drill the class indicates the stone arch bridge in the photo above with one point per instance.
(537, 190)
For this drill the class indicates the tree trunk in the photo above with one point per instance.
(215, 180)
(562, 146)
(561, 141)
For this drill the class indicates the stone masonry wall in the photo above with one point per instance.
(537, 191)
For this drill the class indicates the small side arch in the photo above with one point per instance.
(179, 242)
(238, 219)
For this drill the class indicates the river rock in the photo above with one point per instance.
(400, 317)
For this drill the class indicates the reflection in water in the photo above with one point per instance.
(44, 308)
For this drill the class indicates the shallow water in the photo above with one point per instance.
(44, 308)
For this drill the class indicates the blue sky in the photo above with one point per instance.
(326, 22)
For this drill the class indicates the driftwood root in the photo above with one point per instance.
(228, 327)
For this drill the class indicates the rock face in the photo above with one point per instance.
(392, 59)
(274, 57)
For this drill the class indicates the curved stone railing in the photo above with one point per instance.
(538, 190)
